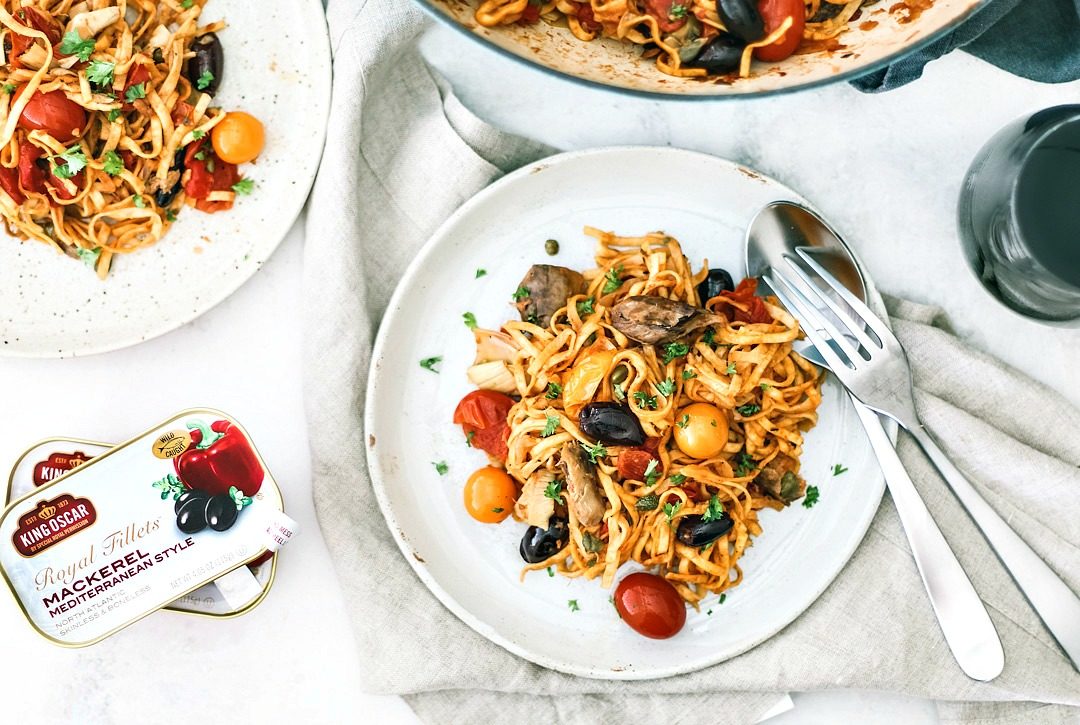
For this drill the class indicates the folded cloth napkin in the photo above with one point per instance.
(1036, 39)
(401, 155)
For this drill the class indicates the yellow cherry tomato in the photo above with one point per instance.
(585, 378)
(701, 430)
(238, 138)
(490, 494)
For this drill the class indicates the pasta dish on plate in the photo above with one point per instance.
(639, 412)
(106, 125)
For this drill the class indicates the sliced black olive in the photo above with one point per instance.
(742, 19)
(540, 544)
(191, 518)
(221, 512)
(164, 197)
(611, 423)
(208, 64)
(722, 55)
(195, 493)
(716, 282)
(696, 531)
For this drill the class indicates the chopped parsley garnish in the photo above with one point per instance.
(591, 544)
(683, 421)
(765, 386)
(113, 115)
(243, 187)
(715, 511)
(554, 390)
(585, 307)
(170, 215)
(644, 400)
(497, 510)
(647, 503)
(74, 162)
(480, 273)
(9, 88)
(744, 464)
(520, 293)
(186, 4)
(198, 133)
(730, 369)
(677, 12)
(550, 427)
(113, 163)
(440, 467)
(674, 350)
(666, 387)
(429, 363)
(203, 82)
(554, 491)
(572, 603)
(613, 279)
(597, 451)
(89, 257)
(677, 480)
(139, 201)
(551, 572)
(100, 72)
(688, 374)
(811, 497)
(708, 613)
(136, 92)
(618, 392)
(838, 469)
(703, 549)
(670, 509)
(748, 409)
(470, 320)
(468, 438)
(723, 597)
(73, 44)
(708, 338)
(652, 474)
(200, 155)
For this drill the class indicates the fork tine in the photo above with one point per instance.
(842, 315)
(867, 316)
(821, 320)
(805, 314)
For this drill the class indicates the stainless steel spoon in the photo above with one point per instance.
(777, 230)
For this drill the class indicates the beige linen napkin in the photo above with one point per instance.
(401, 155)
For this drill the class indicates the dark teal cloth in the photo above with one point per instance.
(1035, 39)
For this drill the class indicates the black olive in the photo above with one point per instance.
(209, 59)
(696, 531)
(611, 423)
(742, 19)
(722, 55)
(188, 496)
(716, 282)
(221, 512)
(539, 544)
(191, 518)
(164, 197)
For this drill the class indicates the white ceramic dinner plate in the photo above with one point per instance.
(473, 568)
(277, 67)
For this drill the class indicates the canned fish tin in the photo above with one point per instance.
(125, 533)
(51, 458)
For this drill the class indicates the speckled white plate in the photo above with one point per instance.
(882, 33)
(277, 67)
(473, 568)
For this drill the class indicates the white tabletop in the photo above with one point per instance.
(885, 169)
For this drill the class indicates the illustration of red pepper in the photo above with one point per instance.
(219, 456)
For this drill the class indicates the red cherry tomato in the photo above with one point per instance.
(774, 12)
(530, 15)
(650, 605)
(661, 10)
(746, 294)
(38, 20)
(60, 189)
(483, 414)
(53, 113)
(633, 462)
(9, 181)
(587, 18)
(208, 173)
(31, 175)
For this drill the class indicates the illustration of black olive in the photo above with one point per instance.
(539, 544)
(191, 518)
(611, 423)
(221, 512)
(189, 495)
(718, 280)
(696, 531)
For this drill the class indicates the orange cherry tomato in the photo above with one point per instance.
(238, 138)
(585, 378)
(701, 430)
(774, 13)
(650, 605)
(490, 494)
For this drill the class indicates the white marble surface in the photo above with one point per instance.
(886, 169)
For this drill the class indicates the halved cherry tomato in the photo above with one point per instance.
(206, 174)
(661, 10)
(54, 113)
(31, 17)
(633, 462)
(483, 414)
(587, 18)
(60, 189)
(238, 138)
(701, 431)
(650, 605)
(774, 12)
(530, 15)
(490, 494)
(9, 181)
(745, 295)
(31, 175)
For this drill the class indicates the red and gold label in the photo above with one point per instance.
(56, 465)
(51, 522)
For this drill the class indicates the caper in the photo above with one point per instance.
(620, 374)
(551, 246)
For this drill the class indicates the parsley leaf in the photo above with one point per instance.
(480, 273)
(170, 215)
(838, 469)
(670, 509)
(74, 162)
(677, 12)
(683, 421)
(470, 320)
(572, 603)
(136, 92)
(89, 257)
(113, 115)
(554, 390)
(765, 386)
(811, 497)
(744, 464)
(708, 337)
(243, 187)
(198, 133)
(677, 480)
(554, 491)
(440, 467)
(551, 426)
(647, 503)
(688, 374)
(519, 294)
(585, 307)
(551, 572)
(429, 363)
(666, 387)
(203, 82)
(730, 370)
(674, 350)
(594, 452)
(618, 392)
(9, 88)
(186, 4)
(715, 511)
(100, 72)
(73, 44)
(468, 438)
(113, 163)
(651, 472)
(139, 202)
(723, 597)
(613, 279)
(591, 544)
(644, 400)
(748, 409)
(497, 510)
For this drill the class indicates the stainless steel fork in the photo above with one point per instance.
(869, 361)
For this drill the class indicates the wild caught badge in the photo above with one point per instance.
(129, 531)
